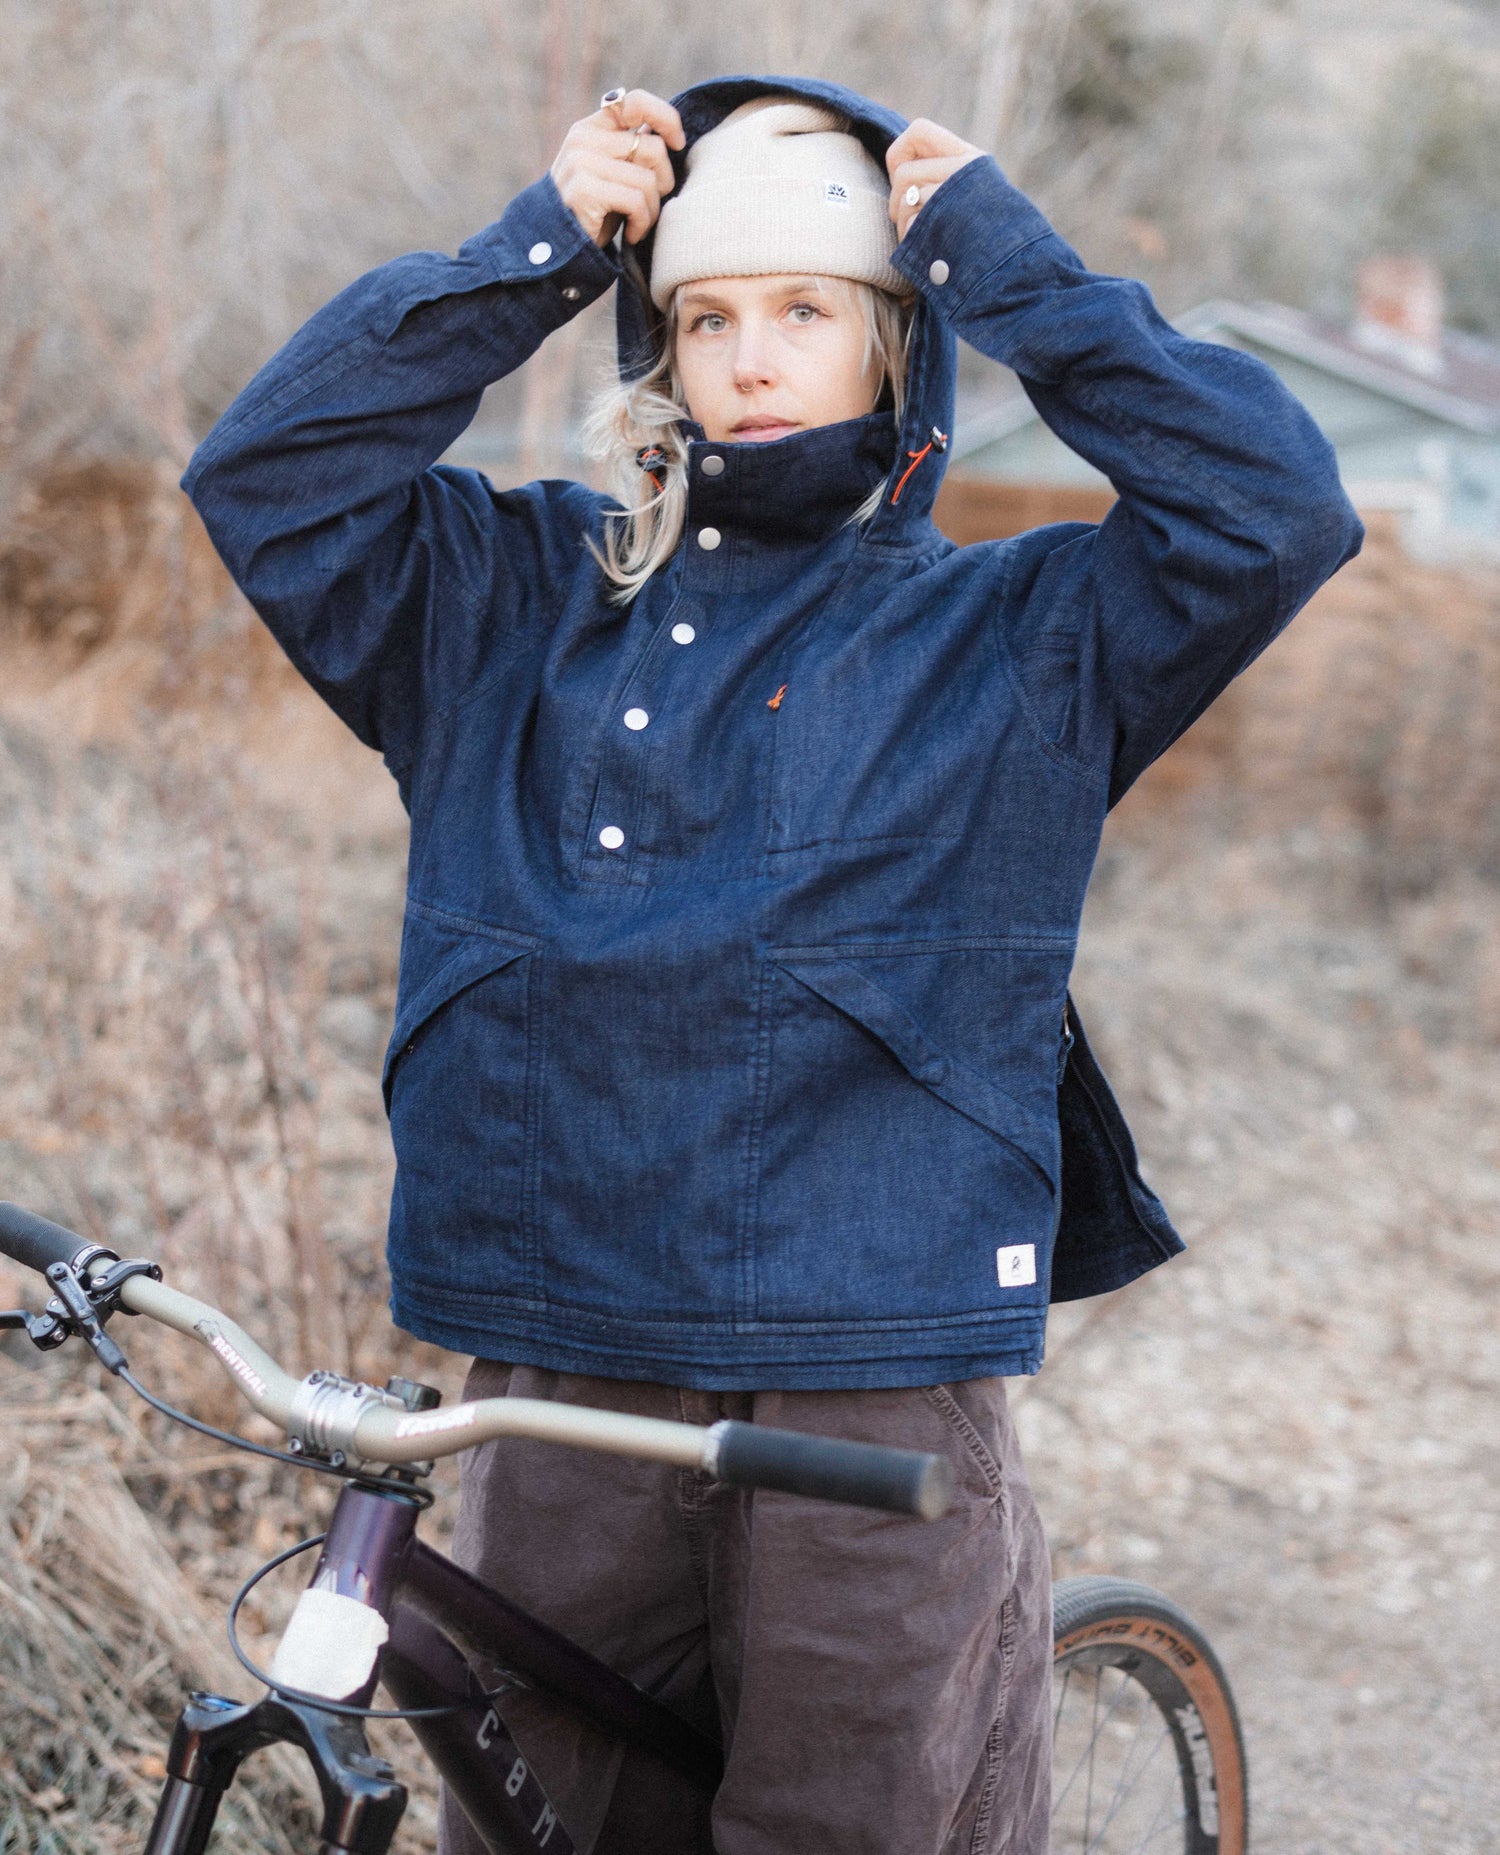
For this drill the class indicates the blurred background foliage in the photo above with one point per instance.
(187, 179)
(1436, 152)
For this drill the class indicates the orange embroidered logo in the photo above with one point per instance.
(775, 702)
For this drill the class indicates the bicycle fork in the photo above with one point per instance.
(363, 1803)
(370, 1564)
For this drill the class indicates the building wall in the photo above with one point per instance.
(1390, 456)
(974, 508)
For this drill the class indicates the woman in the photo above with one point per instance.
(751, 823)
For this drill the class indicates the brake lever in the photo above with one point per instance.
(82, 1317)
(81, 1304)
(43, 1330)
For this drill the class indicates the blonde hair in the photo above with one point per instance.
(628, 417)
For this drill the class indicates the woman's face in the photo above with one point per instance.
(761, 357)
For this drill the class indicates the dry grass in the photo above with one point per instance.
(196, 989)
(104, 1631)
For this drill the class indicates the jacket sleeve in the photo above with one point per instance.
(389, 579)
(1230, 511)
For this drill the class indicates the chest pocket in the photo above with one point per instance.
(888, 728)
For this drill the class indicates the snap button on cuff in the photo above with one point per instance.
(539, 253)
(712, 466)
(937, 270)
(572, 293)
(709, 539)
(683, 634)
(611, 837)
(636, 718)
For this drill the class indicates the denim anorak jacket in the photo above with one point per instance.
(731, 1046)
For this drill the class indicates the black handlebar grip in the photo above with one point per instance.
(863, 1474)
(34, 1241)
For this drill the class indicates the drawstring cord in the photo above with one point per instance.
(937, 442)
(648, 457)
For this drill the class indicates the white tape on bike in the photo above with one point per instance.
(330, 1645)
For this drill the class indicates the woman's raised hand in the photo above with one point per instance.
(605, 172)
(920, 159)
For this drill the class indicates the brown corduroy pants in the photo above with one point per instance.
(882, 1685)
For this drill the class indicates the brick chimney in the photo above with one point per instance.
(1401, 312)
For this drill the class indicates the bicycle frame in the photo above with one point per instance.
(442, 1622)
(382, 1607)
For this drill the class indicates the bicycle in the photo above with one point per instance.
(1134, 1675)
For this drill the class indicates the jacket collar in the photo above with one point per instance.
(781, 481)
(796, 488)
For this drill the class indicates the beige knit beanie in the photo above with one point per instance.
(776, 186)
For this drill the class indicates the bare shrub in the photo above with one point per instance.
(181, 194)
(196, 986)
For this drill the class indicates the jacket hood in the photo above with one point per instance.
(933, 355)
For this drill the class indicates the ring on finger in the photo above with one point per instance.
(640, 130)
(913, 195)
(612, 97)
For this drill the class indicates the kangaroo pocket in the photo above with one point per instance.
(907, 1129)
(460, 1093)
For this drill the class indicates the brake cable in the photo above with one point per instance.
(81, 1306)
(485, 1698)
(422, 1496)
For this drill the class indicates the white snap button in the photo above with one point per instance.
(937, 270)
(713, 466)
(611, 837)
(636, 718)
(540, 253)
(572, 293)
(683, 634)
(709, 539)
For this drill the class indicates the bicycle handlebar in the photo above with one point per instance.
(35, 1242)
(349, 1422)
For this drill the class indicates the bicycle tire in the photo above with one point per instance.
(1132, 1673)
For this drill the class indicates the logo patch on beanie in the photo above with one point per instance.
(835, 193)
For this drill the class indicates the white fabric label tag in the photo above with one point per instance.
(1016, 1266)
(330, 1645)
(835, 193)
